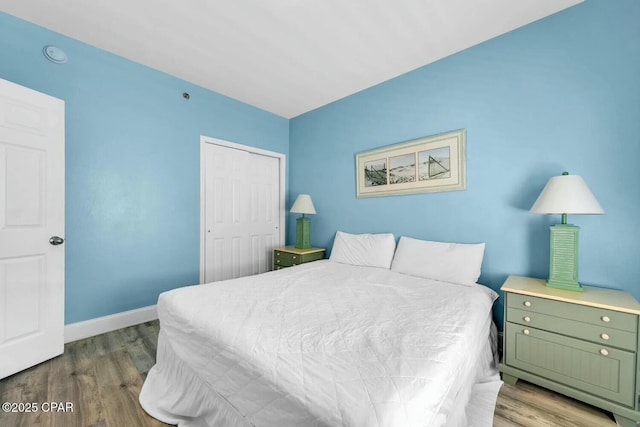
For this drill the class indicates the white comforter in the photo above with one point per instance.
(321, 344)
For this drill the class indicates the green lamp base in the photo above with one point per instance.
(563, 258)
(303, 233)
(569, 286)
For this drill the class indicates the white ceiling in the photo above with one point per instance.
(284, 56)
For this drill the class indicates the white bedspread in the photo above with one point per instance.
(321, 344)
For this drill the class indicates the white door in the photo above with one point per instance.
(264, 221)
(242, 213)
(31, 213)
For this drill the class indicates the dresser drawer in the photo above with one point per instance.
(600, 370)
(595, 333)
(581, 313)
(283, 258)
(286, 259)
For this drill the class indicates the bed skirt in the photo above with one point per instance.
(173, 393)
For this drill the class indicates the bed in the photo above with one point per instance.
(328, 343)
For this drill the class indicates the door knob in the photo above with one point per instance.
(55, 240)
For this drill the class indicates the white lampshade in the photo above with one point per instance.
(566, 194)
(303, 205)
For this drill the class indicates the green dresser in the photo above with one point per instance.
(288, 256)
(582, 344)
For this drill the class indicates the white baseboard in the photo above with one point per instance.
(101, 325)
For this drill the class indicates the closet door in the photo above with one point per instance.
(264, 221)
(241, 212)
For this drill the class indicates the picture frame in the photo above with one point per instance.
(424, 165)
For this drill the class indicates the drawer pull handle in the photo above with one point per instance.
(526, 332)
(605, 319)
(527, 303)
(277, 261)
(277, 253)
(604, 336)
(526, 319)
(604, 352)
(294, 257)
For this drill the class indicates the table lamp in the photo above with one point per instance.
(303, 205)
(563, 195)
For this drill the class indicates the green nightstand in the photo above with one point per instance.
(581, 344)
(288, 256)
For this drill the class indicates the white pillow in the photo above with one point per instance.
(370, 250)
(447, 262)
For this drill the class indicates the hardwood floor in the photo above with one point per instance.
(102, 376)
(526, 404)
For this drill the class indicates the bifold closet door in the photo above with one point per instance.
(241, 212)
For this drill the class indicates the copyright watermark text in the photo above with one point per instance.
(33, 407)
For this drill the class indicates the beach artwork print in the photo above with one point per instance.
(434, 164)
(375, 173)
(429, 164)
(402, 169)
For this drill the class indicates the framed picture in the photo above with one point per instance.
(429, 164)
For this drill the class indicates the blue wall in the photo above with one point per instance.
(560, 94)
(132, 166)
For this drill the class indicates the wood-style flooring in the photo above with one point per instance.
(102, 376)
(526, 404)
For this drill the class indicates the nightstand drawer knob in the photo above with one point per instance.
(604, 336)
(277, 261)
(605, 319)
(526, 332)
(527, 303)
(526, 319)
(604, 352)
(293, 257)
